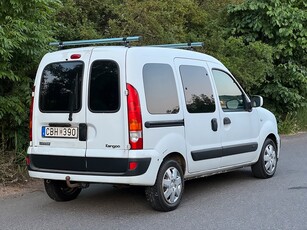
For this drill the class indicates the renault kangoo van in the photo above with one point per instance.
(143, 116)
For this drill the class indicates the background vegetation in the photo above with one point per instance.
(262, 42)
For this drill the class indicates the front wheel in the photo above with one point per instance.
(59, 191)
(266, 165)
(167, 192)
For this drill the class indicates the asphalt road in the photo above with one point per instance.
(234, 200)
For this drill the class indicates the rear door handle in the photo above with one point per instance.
(82, 132)
(214, 124)
(227, 121)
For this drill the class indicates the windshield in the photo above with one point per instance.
(60, 89)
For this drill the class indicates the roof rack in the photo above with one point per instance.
(124, 40)
(188, 45)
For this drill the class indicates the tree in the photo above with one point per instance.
(281, 24)
(164, 21)
(249, 62)
(25, 29)
(84, 19)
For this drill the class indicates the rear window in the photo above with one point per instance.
(104, 87)
(60, 89)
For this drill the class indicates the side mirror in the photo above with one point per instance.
(257, 101)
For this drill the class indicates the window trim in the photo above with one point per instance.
(89, 88)
(81, 93)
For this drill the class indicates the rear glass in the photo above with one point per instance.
(60, 89)
(104, 87)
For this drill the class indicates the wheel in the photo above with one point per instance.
(167, 192)
(267, 162)
(59, 191)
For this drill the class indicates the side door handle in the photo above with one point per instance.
(214, 124)
(227, 121)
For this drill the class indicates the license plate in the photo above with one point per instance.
(65, 132)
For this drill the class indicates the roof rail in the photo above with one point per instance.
(125, 40)
(188, 45)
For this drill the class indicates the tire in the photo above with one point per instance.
(266, 165)
(59, 191)
(167, 192)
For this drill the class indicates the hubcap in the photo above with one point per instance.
(172, 185)
(270, 159)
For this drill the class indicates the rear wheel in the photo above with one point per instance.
(59, 191)
(167, 192)
(267, 162)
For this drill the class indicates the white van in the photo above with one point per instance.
(145, 116)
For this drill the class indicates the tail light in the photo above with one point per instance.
(31, 114)
(134, 119)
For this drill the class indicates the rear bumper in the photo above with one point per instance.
(88, 165)
(97, 170)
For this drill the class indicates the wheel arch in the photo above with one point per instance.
(159, 195)
(177, 157)
(268, 128)
(276, 141)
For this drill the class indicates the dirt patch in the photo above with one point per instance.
(18, 189)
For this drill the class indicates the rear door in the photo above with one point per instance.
(59, 115)
(106, 113)
(201, 116)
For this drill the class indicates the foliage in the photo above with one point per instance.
(282, 24)
(83, 19)
(294, 122)
(159, 22)
(289, 124)
(249, 63)
(26, 26)
(279, 23)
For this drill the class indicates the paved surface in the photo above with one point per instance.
(228, 201)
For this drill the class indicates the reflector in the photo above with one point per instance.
(133, 165)
(28, 160)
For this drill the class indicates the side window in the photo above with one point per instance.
(104, 87)
(197, 89)
(160, 89)
(230, 95)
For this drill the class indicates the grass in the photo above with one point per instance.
(302, 119)
(294, 122)
(12, 168)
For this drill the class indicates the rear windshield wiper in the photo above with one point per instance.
(72, 100)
